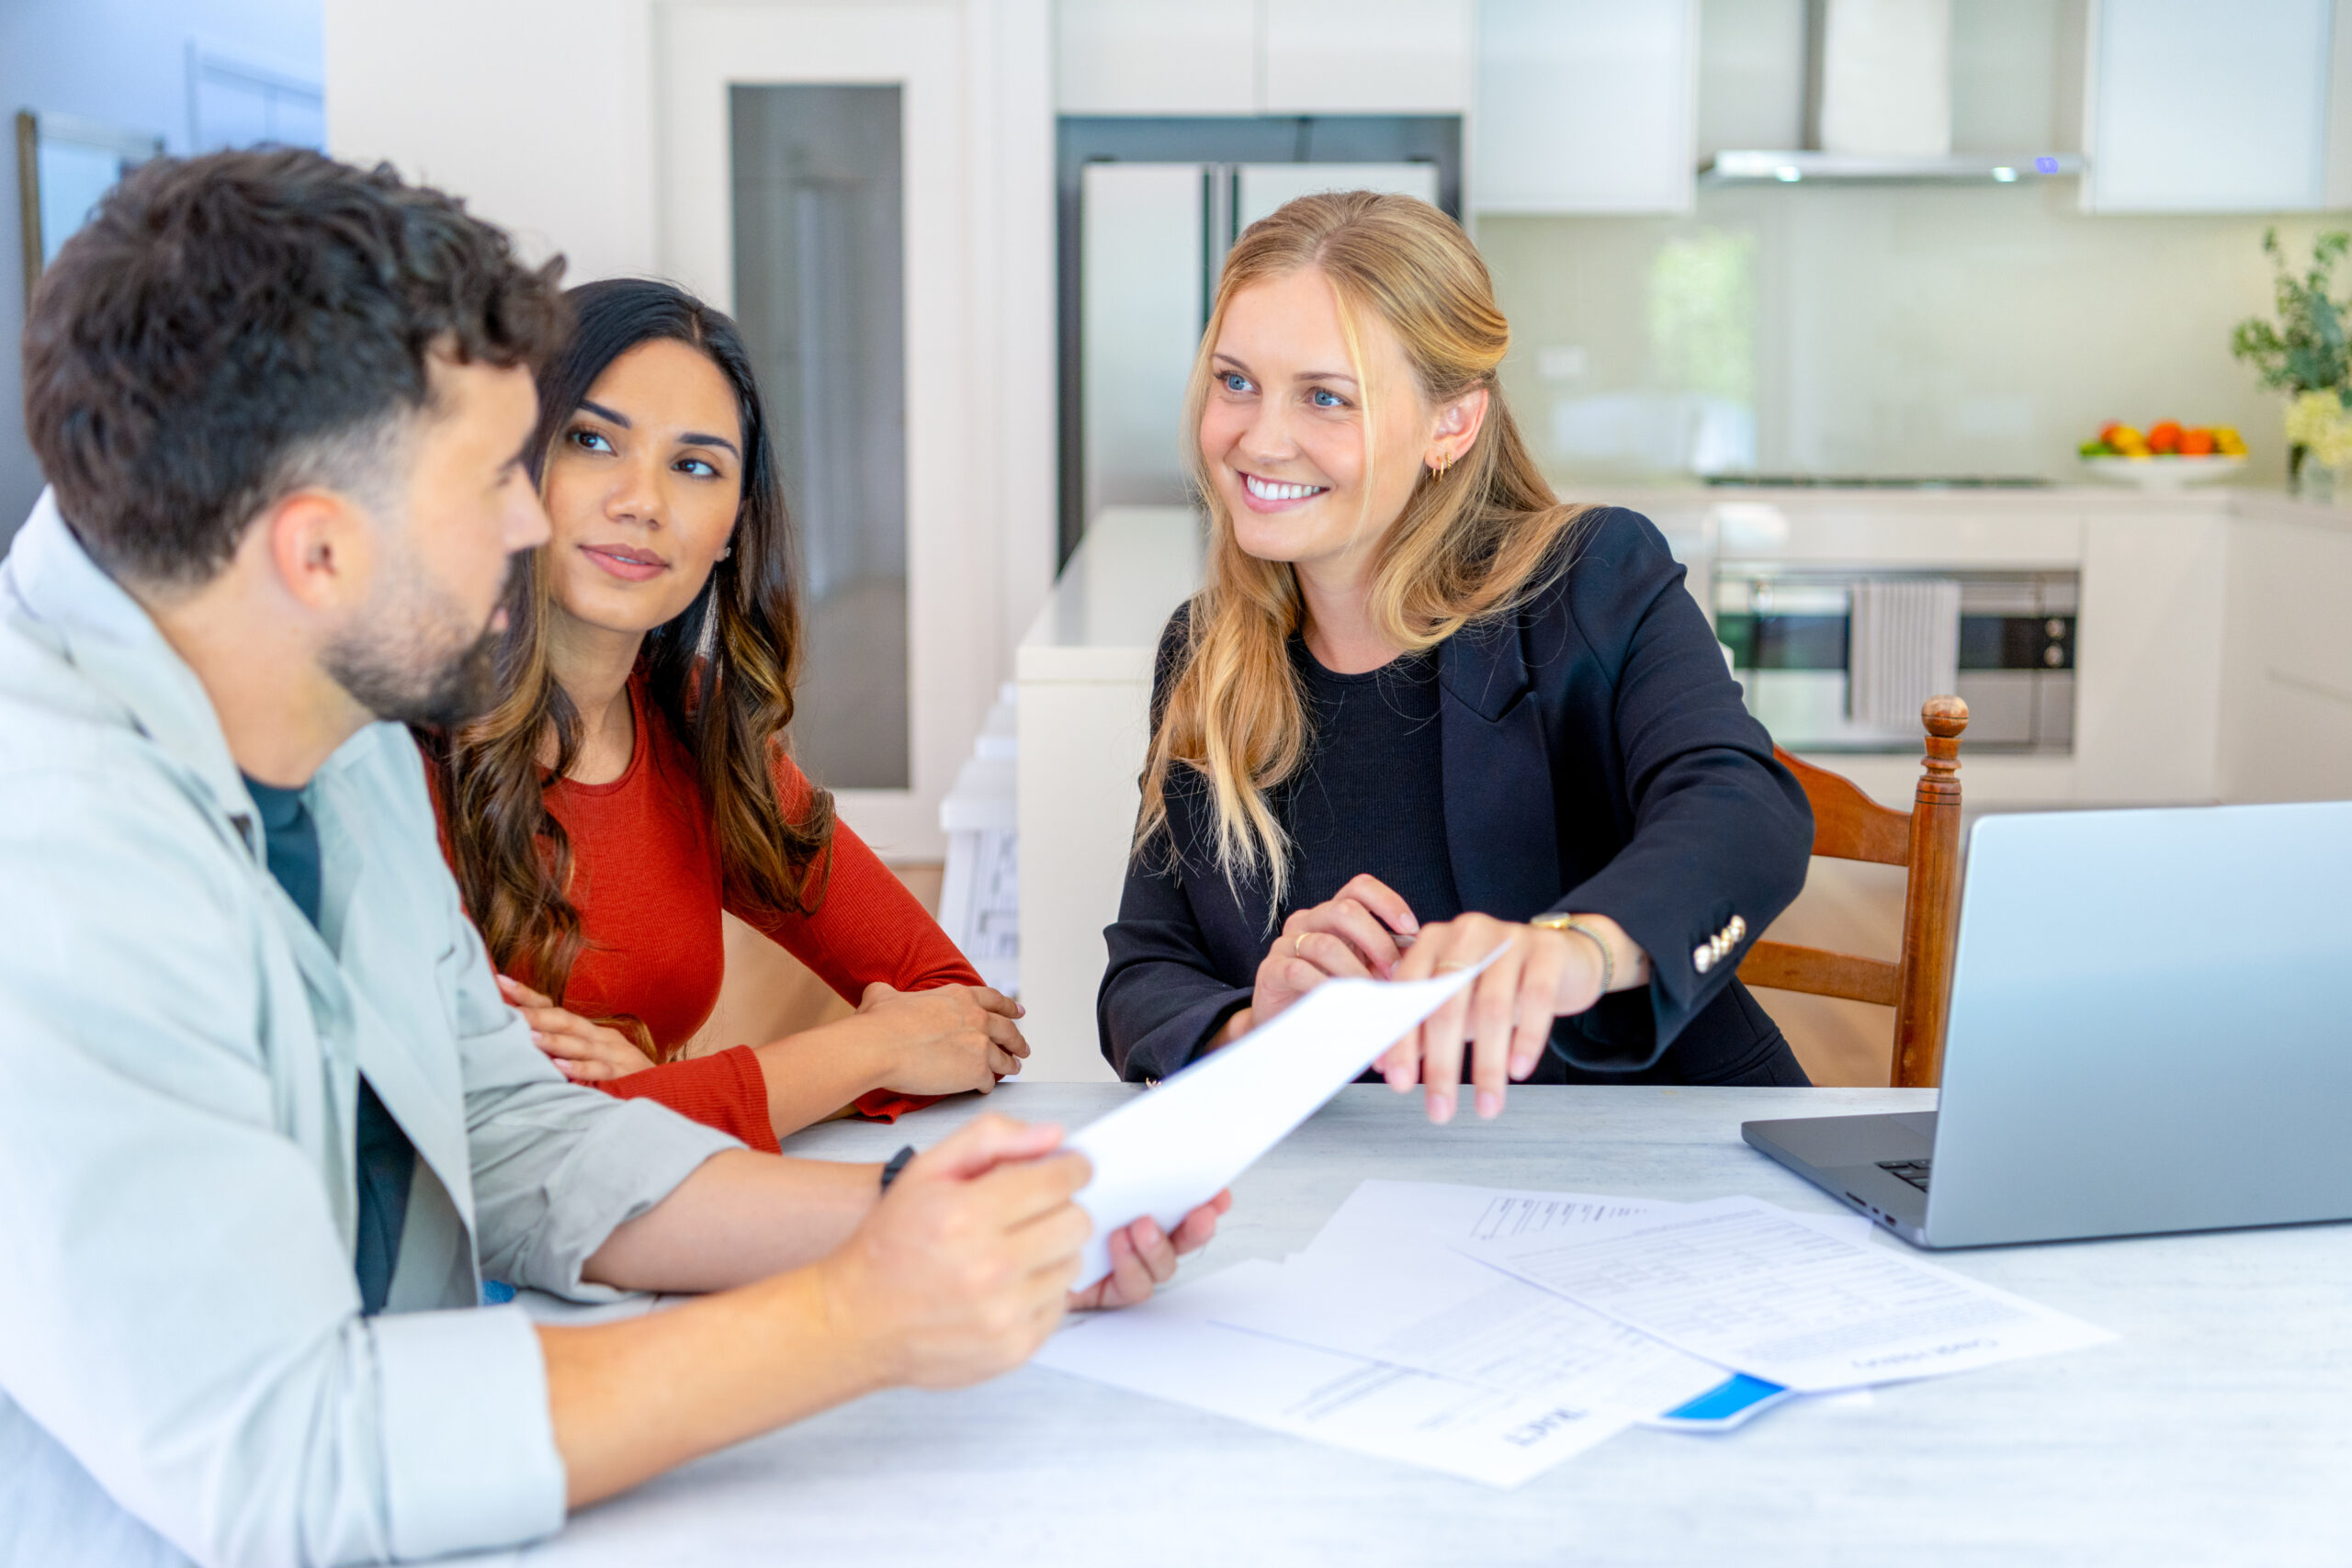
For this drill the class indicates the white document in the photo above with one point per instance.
(1167, 1152)
(1171, 1347)
(1475, 1325)
(1383, 1281)
(1753, 1287)
(1380, 1213)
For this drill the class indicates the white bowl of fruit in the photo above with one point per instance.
(2167, 455)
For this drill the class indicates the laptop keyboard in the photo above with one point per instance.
(1914, 1171)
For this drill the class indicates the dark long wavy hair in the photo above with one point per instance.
(720, 674)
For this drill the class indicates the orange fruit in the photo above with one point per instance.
(2197, 443)
(2165, 436)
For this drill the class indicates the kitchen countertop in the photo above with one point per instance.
(2210, 659)
(1137, 563)
(1102, 620)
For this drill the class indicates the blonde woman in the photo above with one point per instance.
(1422, 710)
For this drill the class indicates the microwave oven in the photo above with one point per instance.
(1808, 663)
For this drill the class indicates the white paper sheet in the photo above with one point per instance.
(1382, 1281)
(1741, 1282)
(1379, 1213)
(1171, 1349)
(1459, 1319)
(1167, 1152)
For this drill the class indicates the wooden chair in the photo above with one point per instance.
(1849, 825)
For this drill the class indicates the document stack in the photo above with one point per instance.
(1492, 1334)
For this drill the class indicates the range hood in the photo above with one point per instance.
(1795, 167)
(1877, 108)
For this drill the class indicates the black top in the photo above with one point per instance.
(387, 1158)
(1593, 755)
(1370, 797)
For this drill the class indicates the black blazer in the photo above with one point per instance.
(1596, 758)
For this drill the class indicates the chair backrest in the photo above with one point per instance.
(1849, 825)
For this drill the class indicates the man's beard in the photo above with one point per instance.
(411, 662)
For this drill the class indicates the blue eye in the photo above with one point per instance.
(1234, 381)
(1327, 399)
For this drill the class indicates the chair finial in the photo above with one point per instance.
(1944, 716)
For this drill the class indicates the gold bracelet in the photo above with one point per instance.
(1573, 923)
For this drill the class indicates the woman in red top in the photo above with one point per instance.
(632, 784)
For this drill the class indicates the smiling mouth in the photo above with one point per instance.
(625, 562)
(1273, 489)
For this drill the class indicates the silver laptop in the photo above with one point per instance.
(2151, 1031)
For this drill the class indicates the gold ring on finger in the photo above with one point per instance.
(1299, 945)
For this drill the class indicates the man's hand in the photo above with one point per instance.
(957, 1273)
(964, 1266)
(1143, 1257)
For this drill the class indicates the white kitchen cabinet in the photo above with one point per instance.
(1585, 106)
(1253, 57)
(2194, 108)
(1156, 57)
(2286, 667)
(1366, 56)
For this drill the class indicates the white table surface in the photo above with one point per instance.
(2218, 1429)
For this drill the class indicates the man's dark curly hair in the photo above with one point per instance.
(228, 329)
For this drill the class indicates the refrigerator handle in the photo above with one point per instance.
(1220, 201)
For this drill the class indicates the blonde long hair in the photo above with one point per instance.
(1471, 543)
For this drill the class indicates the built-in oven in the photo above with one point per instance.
(1840, 660)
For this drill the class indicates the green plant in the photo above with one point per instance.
(2306, 351)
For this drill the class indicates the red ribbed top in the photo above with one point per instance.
(650, 887)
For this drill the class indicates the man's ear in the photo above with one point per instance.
(318, 547)
(1458, 423)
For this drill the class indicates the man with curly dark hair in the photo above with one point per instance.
(266, 1123)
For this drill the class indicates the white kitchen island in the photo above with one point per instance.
(2213, 663)
(1084, 672)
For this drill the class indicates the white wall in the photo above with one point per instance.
(125, 63)
(540, 115)
(547, 118)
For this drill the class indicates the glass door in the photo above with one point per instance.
(819, 268)
(816, 177)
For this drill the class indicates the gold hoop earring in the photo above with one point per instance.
(1445, 461)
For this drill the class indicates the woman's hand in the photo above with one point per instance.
(1505, 1016)
(1143, 1257)
(945, 1039)
(1354, 933)
(582, 1051)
